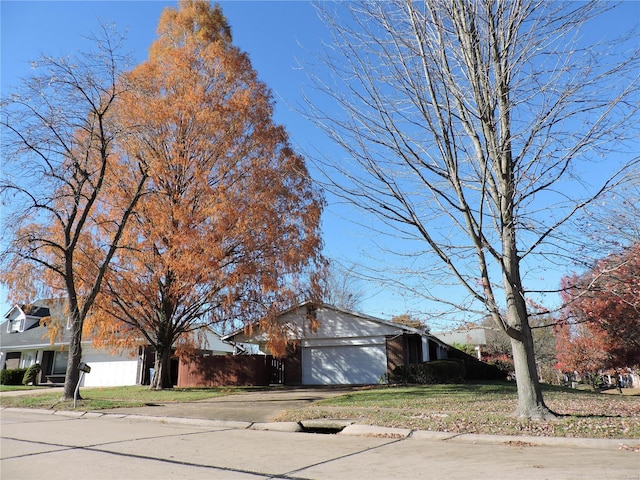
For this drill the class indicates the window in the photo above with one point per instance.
(28, 359)
(14, 325)
(60, 363)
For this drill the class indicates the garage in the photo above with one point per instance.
(342, 347)
(343, 365)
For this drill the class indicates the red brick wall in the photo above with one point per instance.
(395, 352)
(221, 370)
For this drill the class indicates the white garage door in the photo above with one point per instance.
(343, 365)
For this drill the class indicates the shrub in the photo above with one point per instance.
(12, 376)
(437, 371)
(477, 370)
(504, 366)
(31, 375)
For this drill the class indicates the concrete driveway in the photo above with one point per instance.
(258, 406)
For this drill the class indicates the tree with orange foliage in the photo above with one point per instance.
(63, 162)
(232, 219)
(580, 348)
(601, 323)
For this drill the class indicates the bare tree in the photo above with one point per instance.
(338, 286)
(613, 222)
(63, 161)
(466, 126)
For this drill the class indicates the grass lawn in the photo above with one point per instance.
(481, 408)
(464, 408)
(16, 388)
(113, 397)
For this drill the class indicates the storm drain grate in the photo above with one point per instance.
(324, 426)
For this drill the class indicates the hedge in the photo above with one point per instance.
(475, 369)
(453, 370)
(437, 371)
(12, 376)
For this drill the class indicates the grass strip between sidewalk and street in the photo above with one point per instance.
(460, 408)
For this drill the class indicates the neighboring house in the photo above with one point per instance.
(348, 348)
(24, 340)
(475, 336)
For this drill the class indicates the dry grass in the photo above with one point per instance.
(467, 408)
(482, 408)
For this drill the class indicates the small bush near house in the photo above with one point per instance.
(12, 376)
(437, 371)
(504, 365)
(453, 370)
(477, 370)
(31, 375)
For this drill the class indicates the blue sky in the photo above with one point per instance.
(279, 36)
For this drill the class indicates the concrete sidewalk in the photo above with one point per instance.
(91, 445)
(347, 428)
(258, 410)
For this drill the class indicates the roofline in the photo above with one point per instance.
(6, 315)
(348, 312)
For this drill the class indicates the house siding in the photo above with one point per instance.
(395, 353)
(346, 347)
(32, 344)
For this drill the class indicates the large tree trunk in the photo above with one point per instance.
(162, 370)
(530, 402)
(75, 356)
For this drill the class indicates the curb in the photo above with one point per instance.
(375, 431)
(349, 428)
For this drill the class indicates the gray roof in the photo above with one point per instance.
(231, 336)
(34, 337)
(35, 310)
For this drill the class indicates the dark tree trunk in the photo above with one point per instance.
(75, 356)
(162, 370)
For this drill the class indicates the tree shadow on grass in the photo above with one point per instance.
(586, 416)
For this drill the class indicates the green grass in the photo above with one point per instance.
(15, 388)
(115, 397)
(481, 408)
(465, 408)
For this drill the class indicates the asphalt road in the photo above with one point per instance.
(39, 444)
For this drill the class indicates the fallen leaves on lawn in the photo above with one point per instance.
(580, 414)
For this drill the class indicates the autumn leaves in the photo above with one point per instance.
(166, 199)
(230, 217)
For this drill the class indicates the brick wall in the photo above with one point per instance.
(395, 352)
(221, 370)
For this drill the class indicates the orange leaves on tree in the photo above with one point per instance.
(231, 218)
(601, 324)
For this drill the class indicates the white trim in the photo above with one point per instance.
(425, 349)
(342, 342)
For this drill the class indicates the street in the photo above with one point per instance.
(36, 445)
